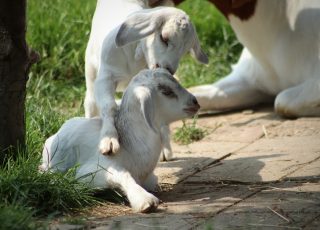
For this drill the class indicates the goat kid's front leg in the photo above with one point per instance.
(140, 200)
(104, 94)
(106, 175)
(166, 151)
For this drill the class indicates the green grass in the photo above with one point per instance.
(59, 31)
(188, 133)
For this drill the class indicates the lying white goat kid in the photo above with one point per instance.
(153, 99)
(126, 37)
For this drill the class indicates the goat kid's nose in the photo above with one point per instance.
(170, 70)
(194, 102)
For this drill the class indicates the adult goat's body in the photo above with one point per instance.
(281, 58)
(127, 37)
(152, 99)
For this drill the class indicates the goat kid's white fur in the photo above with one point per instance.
(125, 38)
(153, 99)
(281, 59)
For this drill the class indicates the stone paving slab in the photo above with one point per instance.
(314, 225)
(264, 160)
(193, 158)
(287, 206)
(310, 171)
(203, 199)
(150, 221)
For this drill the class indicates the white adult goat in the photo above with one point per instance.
(153, 99)
(126, 38)
(281, 58)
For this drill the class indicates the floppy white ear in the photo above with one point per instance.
(138, 26)
(196, 50)
(146, 97)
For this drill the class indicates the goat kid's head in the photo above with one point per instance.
(162, 99)
(165, 35)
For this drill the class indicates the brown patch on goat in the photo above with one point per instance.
(243, 9)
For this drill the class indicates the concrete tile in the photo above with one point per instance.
(310, 171)
(149, 221)
(202, 199)
(193, 158)
(264, 160)
(290, 205)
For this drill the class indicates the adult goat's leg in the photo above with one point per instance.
(299, 101)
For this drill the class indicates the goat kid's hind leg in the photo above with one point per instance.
(299, 101)
(90, 106)
(166, 151)
(151, 183)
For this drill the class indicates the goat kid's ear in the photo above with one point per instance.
(146, 98)
(138, 26)
(196, 50)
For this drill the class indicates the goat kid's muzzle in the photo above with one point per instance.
(192, 107)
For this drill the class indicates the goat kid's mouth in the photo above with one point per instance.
(191, 110)
(169, 69)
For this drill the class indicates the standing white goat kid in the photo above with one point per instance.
(153, 99)
(126, 37)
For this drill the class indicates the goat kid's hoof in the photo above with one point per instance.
(149, 204)
(109, 146)
(165, 155)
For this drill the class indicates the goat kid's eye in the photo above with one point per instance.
(165, 40)
(167, 91)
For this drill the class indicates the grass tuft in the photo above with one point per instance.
(13, 217)
(188, 133)
(44, 193)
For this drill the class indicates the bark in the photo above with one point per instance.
(14, 65)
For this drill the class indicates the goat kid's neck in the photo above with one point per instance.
(135, 133)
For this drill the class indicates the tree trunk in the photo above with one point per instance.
(14, 65)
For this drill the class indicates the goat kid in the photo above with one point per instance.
(126, 37)
(153, 99)
(281, 58)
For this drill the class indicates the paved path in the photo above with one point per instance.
(253, 170)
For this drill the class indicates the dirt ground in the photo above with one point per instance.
(253, 170)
